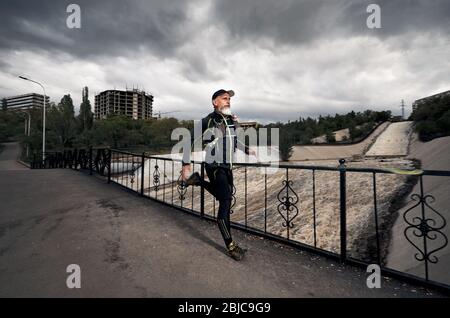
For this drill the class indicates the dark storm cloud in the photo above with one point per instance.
(300, 22)
(122, 28)
(112, 27)
(297, 57)
(109, 27)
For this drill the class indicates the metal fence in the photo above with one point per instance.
(316, 208)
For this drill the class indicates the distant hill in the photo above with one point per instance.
(432, 118)
(351, 127)
(339, 135)
(337, 151)
(345, 135)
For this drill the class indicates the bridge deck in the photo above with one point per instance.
(128, 246)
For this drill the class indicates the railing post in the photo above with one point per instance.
(343, 209)
(109, 164)
(76, 158)
(202, 191)
(142, 173)
(90, 161)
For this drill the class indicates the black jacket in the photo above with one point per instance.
(219, 147)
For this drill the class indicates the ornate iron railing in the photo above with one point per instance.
(92, 159)
(280, 215)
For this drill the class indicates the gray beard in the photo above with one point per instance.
(226, 111)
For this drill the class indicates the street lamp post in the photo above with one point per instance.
(43, 118)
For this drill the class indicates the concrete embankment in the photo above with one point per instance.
(434, 155)
(302, 153)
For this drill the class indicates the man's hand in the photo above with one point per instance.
(185, 172)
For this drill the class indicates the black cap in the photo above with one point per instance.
(221, 92)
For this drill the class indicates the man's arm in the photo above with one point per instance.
(185, 171)
(186, 162)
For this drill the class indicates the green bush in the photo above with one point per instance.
(286, 146)
(432, 119)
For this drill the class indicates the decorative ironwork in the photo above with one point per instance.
(181, 188)
(69, 159)
(156, 176)
(426, 228)
(132, 171)
(233, 201)
(101, 162)
(82, 159)
(51, 161)
(287, 203)
(74, 159)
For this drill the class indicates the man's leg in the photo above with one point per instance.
(223, 220)
(220, 185)
(208, 186)
(197, 180)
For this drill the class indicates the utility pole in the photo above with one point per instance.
(403, 109)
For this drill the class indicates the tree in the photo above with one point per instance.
(352, 130)
(383, 116)
(355, 132)
(331, 137)
(112, 131)
(85, 117)
(11, 126)
(61, 123)
(286, 146)
(444, 123)
(432, 118)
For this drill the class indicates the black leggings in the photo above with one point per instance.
(223, 220)
(223, 215)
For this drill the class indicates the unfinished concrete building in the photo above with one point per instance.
(134, 103)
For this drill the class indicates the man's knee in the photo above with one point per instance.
(224, 208)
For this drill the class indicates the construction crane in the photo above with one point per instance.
(163, 113)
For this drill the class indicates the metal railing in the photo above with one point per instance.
(92, 159)
(319, 221)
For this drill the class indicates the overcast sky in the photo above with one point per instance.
(284, 58)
